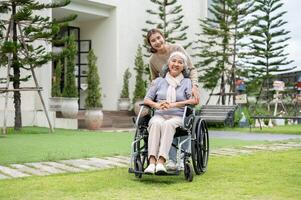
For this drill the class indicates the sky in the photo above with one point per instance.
(293, 17)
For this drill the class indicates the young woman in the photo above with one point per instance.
(161, 51)
(168, 96)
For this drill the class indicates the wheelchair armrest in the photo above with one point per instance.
(141, 113)
(147, 106)
(188, 110)
(188, 116)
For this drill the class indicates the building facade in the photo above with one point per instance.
(112, 28)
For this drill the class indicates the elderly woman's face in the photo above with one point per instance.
(175, 65)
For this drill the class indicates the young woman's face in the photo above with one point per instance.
(157, 41)
(175, 65)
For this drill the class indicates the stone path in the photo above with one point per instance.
(89, 164)
(252, 136)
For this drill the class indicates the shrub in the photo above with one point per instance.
(93, 99)
(70, 89)
(56, 84)
(125, 88)
(140, 86)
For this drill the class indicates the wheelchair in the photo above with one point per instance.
(194, 160)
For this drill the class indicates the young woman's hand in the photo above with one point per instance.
(192, 101)
(196, 94)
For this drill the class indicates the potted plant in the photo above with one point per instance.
(124, 101)
(70, 93)
(56, 94)
(140, 86)
(93, 114)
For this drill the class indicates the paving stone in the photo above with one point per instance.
(233, 151)
(244, 151)
(126, 158)
(3, 177)
(63, 167)
(103, 162)
(275, 148)
(79, 163)
(294, 144)
(46, 168)
(29, 170)
(289, 144)
(220, 152)
(118, 160)
(258, 148)
(12, 172)
(281, 146)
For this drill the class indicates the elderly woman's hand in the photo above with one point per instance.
(164, 105)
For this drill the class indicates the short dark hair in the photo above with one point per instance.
(149, 34)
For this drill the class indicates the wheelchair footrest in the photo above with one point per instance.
(169, 173)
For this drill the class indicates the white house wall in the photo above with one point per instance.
(114, 26)
(103, 33)
(116, 36)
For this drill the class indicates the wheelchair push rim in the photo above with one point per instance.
(200, 146)
(140, 160)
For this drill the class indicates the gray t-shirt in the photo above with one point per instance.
(157, 92)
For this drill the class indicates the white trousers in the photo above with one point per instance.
(161, 132)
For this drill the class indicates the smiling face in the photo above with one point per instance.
(175, 65)
(157, 41)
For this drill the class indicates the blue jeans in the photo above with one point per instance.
(173, 151)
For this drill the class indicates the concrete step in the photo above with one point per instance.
(114, 119)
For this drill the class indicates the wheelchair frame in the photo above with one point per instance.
(193, 127)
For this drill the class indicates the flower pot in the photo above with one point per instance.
(55, 103)
(124, 104)
(93, 118)
(69, 107)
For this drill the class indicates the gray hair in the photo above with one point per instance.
(179, 54)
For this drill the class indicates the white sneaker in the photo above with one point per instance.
(150, 169)
(171, 166)
(160, 169)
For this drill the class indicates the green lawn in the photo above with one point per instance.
(37, 144)
(287, 129)
(261, 176)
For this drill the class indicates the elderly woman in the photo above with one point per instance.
(168, 96)
(161, 51)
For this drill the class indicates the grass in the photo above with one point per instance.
(266, 175)
(36, 144)
(287, 129)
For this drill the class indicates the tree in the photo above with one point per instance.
(125, 88)
(26, 26)
(168, 19)
(56, 83)
(93, 99)
(268, 41)
(70, 89)
(213, 48)
(140, 85)
(240, 29)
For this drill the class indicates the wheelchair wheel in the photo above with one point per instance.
(200, 146)
(141, 148)
(138, 167)
(188, 172)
